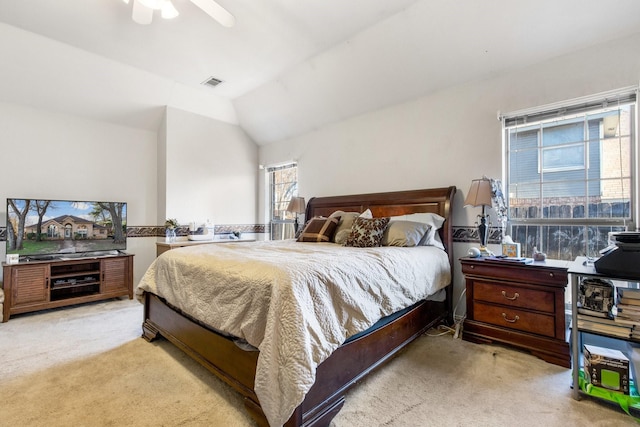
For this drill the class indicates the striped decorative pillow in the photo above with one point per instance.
(319, 229)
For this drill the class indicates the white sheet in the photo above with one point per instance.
(296, 302)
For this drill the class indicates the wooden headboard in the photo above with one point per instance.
(434, 200)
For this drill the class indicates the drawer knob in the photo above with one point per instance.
(513, 298)
(514, 320)
(550, 274)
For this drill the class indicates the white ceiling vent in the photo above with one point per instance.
(212, 81)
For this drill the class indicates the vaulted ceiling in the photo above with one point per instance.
(287, 66)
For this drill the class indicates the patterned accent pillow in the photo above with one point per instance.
(319, 229)
(346, 223)
(367, 233)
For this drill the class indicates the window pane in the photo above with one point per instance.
(561, 158)
(524, 201)
(617, 203)
(523, 138)
(563, 242)
(560, 133)
(283, 186)
(570, 178)
(523, 166)
(616, 157)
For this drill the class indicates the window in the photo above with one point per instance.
(283, 185)
(571, 175)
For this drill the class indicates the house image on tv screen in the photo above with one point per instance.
(51, 227)
(69, 227)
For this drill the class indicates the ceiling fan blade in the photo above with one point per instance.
(216, 11)
(141, 14)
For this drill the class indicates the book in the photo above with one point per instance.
(634, 317)
(626, 315)
(632, 293)
(594, 313)
(597, 319)
(627, 321)
(627, 308)
(629, 301)
(507, 259)
(617, 331)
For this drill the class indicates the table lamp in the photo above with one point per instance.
(480, 194)
(296, 206)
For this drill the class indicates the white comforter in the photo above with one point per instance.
(296, 302)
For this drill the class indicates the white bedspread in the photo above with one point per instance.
(296, 302)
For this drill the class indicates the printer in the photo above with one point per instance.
(622, 258)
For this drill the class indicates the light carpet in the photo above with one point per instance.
(87, 366)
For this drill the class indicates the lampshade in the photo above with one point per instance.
(168, 10)
(479, 194)
(152, 4)
(296, 205)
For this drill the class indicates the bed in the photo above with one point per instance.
(242, 365)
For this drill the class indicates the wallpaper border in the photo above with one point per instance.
(460, 234)
(158, 230)
(470, 235)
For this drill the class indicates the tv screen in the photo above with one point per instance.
(41, 228)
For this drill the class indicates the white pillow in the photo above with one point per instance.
(432, 237)
(346, 222)
(367, 214)
(404, 233)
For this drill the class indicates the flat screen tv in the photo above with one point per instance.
(44, 229)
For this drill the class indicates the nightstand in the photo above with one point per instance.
(521, 305)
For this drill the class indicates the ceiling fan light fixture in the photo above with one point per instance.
(152, 4)
(216, 11)
(143, 11)
(168, 10)
(141, 14)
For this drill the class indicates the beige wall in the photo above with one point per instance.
(211, 168)
(196, 168)
(211, 171)
(50, 155)
(449, 137)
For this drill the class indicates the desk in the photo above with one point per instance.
(578, 270)
(162, 247)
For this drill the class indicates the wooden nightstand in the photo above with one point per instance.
(519, 305)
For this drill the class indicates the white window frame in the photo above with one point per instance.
(281, 228)
(532, 118)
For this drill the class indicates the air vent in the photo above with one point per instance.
(212, 81)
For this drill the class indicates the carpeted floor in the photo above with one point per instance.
(87, 366)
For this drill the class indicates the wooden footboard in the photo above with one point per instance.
(334, 377)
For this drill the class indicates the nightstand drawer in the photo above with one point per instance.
(514, 296)
(521, 320)
(524, 273)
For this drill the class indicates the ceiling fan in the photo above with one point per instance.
(143, 11)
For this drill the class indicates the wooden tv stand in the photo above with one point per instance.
(38, 285)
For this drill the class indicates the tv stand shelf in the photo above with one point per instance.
(38, 285)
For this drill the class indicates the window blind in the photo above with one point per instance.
(577, 106)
